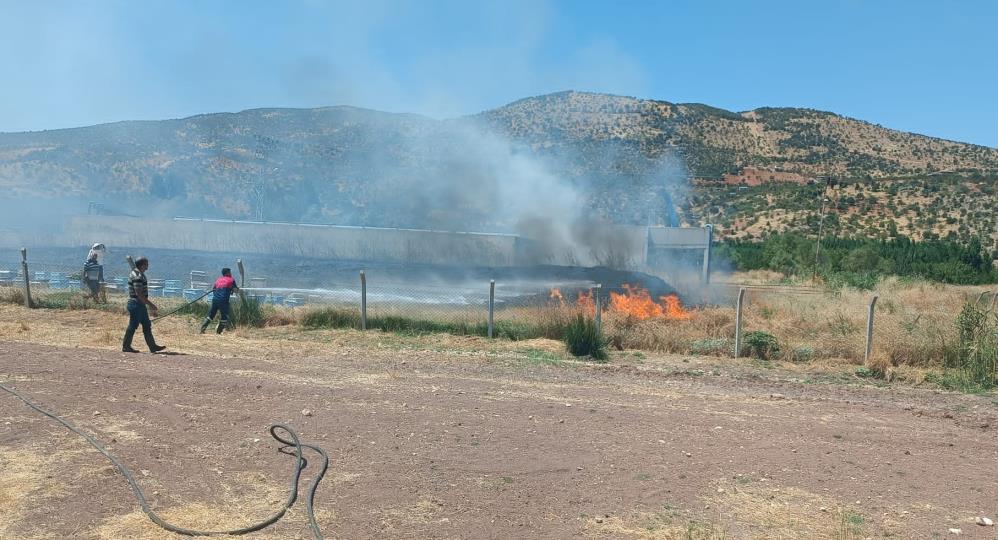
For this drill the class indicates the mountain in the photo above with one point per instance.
(717, 142)
(633, 161)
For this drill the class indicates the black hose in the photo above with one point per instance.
(183, 306)
(292, 442)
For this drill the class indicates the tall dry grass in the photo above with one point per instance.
(914, 324)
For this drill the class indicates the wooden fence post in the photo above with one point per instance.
(492, 306)
(994, 301)
(131, 262)
(363, 301)
(869, 329)
(242, 273)
(27, 279)
(738, 322)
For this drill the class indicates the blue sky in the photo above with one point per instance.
(925, 66)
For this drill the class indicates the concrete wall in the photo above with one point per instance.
(319, 241)
(678, 237)
(613, 246)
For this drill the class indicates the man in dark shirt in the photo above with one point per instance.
(138, 299)
(220, 294)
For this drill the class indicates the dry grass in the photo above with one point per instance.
(261, 501)
(759, 510)
(914, 325)
(11, 295)
(752, 509)
(25, 482)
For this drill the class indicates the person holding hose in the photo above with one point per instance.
(220, 294)
(138, 299)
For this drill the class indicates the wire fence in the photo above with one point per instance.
(905, 324)
(467, 303)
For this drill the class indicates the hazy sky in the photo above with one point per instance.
(924, 66)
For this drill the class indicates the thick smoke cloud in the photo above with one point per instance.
(458, 175)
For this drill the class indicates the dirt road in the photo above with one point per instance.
(431, 445)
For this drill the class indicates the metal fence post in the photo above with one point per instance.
(492, 306)
(242, 273)
(869, 329)
(27, 280)
(363, 301)
(738, 322)
(597, 302)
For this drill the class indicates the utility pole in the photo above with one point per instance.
(821, 226)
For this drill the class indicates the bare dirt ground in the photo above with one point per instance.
(446, 437)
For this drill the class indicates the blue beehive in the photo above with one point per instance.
(191, 294)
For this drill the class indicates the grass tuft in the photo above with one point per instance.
(584, 340)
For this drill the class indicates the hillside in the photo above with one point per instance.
(715, 141)
(633, 161)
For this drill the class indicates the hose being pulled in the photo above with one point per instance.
(182, 306)
(290, 441)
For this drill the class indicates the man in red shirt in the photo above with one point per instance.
(220, 294)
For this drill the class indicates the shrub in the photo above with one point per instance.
(11, 295)
(879, 367)
(583, 339)
(762, 345)
(248, 312)
(245, 312)
(978, 353)
(712, 347)
(331, 318)
(65, 300)
(196, 309)
(801, 354)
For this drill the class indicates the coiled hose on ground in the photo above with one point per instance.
(291, 442)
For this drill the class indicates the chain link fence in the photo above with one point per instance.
(468, 307)
(908, 324)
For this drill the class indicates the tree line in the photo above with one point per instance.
(862, 261)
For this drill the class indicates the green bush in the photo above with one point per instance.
(197, 309)
(245, 311)
(801, 354)
(858, 262)
(249, 312)
(350, 318)
(583, 339)
(712, 347)
(978, 353)
(71, 300)
(330, 318)
(762, 345)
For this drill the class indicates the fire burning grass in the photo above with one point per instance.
(635, 302)
(916, 324)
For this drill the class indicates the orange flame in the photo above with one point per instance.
(637, 303)
(585, 302)
(674, 308)
(555, 294)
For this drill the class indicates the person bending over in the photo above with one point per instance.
(220, 294)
